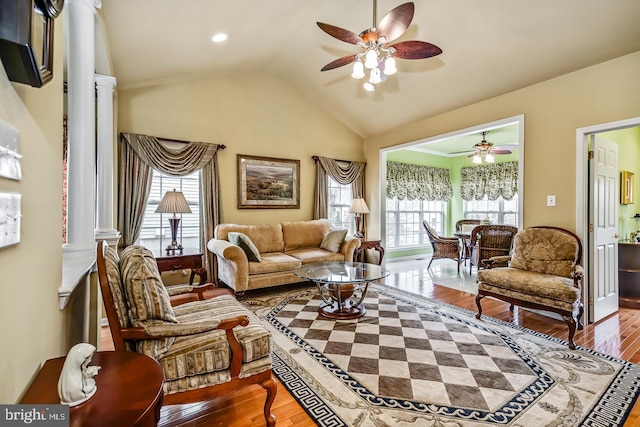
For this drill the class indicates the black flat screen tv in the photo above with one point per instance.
(26, 41)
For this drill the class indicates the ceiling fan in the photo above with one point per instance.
(377, 55)
(484, 150)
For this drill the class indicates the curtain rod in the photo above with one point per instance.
(179, 141)
(316, 158)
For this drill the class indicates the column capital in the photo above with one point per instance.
(96, 4)
(107, 81)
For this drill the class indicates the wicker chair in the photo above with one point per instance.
(443, 247)
(488, 241)
(465, 226)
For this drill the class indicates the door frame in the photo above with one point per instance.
(583, 195)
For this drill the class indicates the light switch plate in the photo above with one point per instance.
(10, 213)
(551, 200)
(10, 152)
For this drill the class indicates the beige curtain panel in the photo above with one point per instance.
(139, 155)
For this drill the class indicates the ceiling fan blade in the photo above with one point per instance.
(415, 49)
(396, 22)
(339, 62)
(340, 33)
(494, 151)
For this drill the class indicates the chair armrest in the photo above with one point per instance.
(577, 274)
(500, 260)
(166, 330)
(197, 290)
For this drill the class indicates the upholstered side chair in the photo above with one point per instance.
(443, 247)
(543, 273)
(207, 348)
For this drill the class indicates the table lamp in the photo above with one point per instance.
(359, 208)
(173, 202)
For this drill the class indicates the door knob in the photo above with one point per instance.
(616, 235)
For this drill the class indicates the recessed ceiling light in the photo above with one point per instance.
(219, 38)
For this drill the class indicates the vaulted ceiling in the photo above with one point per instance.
(490, 47)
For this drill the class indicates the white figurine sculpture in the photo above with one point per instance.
(76, 383)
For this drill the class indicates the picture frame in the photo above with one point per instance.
(268, 183)
(626, 188)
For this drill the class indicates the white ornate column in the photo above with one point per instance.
(80, 46)
(104, 197)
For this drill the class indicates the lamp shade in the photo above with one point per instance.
(173, 202)
(359, 206)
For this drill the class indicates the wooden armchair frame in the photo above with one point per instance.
(571, 317)
(123, 336)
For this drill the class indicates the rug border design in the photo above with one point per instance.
(611, 409)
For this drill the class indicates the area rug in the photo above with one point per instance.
(414, 361)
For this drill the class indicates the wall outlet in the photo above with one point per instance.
(551, 200)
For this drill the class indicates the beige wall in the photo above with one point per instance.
(34, 329)
(250, 115)
(553, 111)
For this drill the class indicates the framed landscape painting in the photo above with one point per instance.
(268, 183)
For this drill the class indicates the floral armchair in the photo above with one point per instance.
(543, 274)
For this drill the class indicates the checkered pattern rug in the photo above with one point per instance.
(411, 360)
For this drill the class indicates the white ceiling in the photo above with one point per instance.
(490, 47)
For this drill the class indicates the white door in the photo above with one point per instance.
(603, 213)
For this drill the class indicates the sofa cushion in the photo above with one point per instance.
(545, 251)
(267, 237)
(274, 262)
(304, 234)
(333, 240)
(313, 255)
(245, 243)
(147, 296)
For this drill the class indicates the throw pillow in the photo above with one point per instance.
(147, 296)
(245, 243)
(333, 240)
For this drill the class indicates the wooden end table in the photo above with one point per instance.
(180, 260)
(129, 390)
(359, 255)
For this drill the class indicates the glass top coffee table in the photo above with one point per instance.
(342, 285)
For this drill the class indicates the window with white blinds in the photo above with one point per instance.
(156, 232)
(339, 203)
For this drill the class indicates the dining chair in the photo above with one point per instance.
(489, 241)
(465, 226)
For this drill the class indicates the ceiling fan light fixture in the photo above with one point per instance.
(488, 158)
(371, 58)
(358, 70)
(477, 159)
(390, 66)
(369, 87)
(374, 77)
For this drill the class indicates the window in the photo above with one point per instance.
(404, 221)
(156, 232)
(498, 211)
(339, 203)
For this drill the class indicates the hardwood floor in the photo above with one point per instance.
(617, 335)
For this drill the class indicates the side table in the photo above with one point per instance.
(189, 258)
(129, 390)
(360, 254)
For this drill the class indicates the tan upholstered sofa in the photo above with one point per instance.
(282, 247)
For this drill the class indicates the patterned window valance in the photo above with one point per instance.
(414, 182)
(492, 180)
